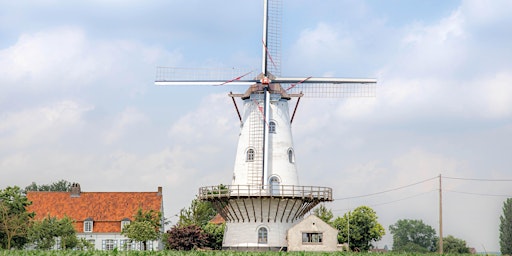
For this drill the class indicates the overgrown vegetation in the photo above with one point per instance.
(197, 253)
(194, 230)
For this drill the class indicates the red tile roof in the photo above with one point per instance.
(217, 220)
(107, 209)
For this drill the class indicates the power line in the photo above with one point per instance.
(394, 201)
(475, 179)
(386, 191)
(405, 198)
(477, 194)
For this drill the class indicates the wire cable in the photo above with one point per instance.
(476, 194)
(394, 201)
(475, 179)
(385, 191)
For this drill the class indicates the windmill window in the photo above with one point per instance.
(272, 127)
(291, 157)
(250, 155)
(262, 235)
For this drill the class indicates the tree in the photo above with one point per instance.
(141, 231)
(186, 237)
(44, 232)
(199, 213)
(506, 228)
(145, 227)
(14, 218)
(413, 236)
(215, 235)
(323, 213)
(61, 185)
(452, 244)
(359, 228)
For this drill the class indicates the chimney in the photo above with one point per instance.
(75, 190)
(159, 193)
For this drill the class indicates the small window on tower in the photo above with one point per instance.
(291, 157)
(250, 155)
(272, 127)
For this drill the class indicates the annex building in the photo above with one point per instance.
(99, 216)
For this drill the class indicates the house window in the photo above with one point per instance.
(250, 155)
(109, 244)
(88, 225)
(262, 235)
(124, 222)
(149, 245)
(312, 238)
(127, 245)
(291, 156)
(57, 243)
(272, 127)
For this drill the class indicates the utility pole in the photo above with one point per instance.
(440, 216)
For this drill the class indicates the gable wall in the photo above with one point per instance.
(312, 224)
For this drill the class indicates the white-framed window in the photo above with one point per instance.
(262, 235)
(124, 222)
(127, 245)
(109, 244)
(88, 225)
(312, 238)
(272, 127)
(250, 155)
(57, 245)
(275, 187)
(149, 245)
(291, 156)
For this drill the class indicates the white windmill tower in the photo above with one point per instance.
(265, 198)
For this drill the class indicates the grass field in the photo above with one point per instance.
(202, 253)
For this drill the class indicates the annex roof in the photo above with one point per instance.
(100, 206)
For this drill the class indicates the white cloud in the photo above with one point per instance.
(496, 96)
(213, 115)
(128, 118)
(321, 41)
(65, 57)
(49, 58)
(483, 13)
(44, 124)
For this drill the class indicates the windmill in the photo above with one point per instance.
(265, 199)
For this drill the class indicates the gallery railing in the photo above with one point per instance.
(288, 191)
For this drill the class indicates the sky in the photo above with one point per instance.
(78, 101)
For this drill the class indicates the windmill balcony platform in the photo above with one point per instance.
(305, 193)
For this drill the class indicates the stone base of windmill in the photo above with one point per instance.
(257, 217)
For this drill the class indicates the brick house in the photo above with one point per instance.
(99, 216)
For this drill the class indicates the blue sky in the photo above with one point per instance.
(77, 101)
